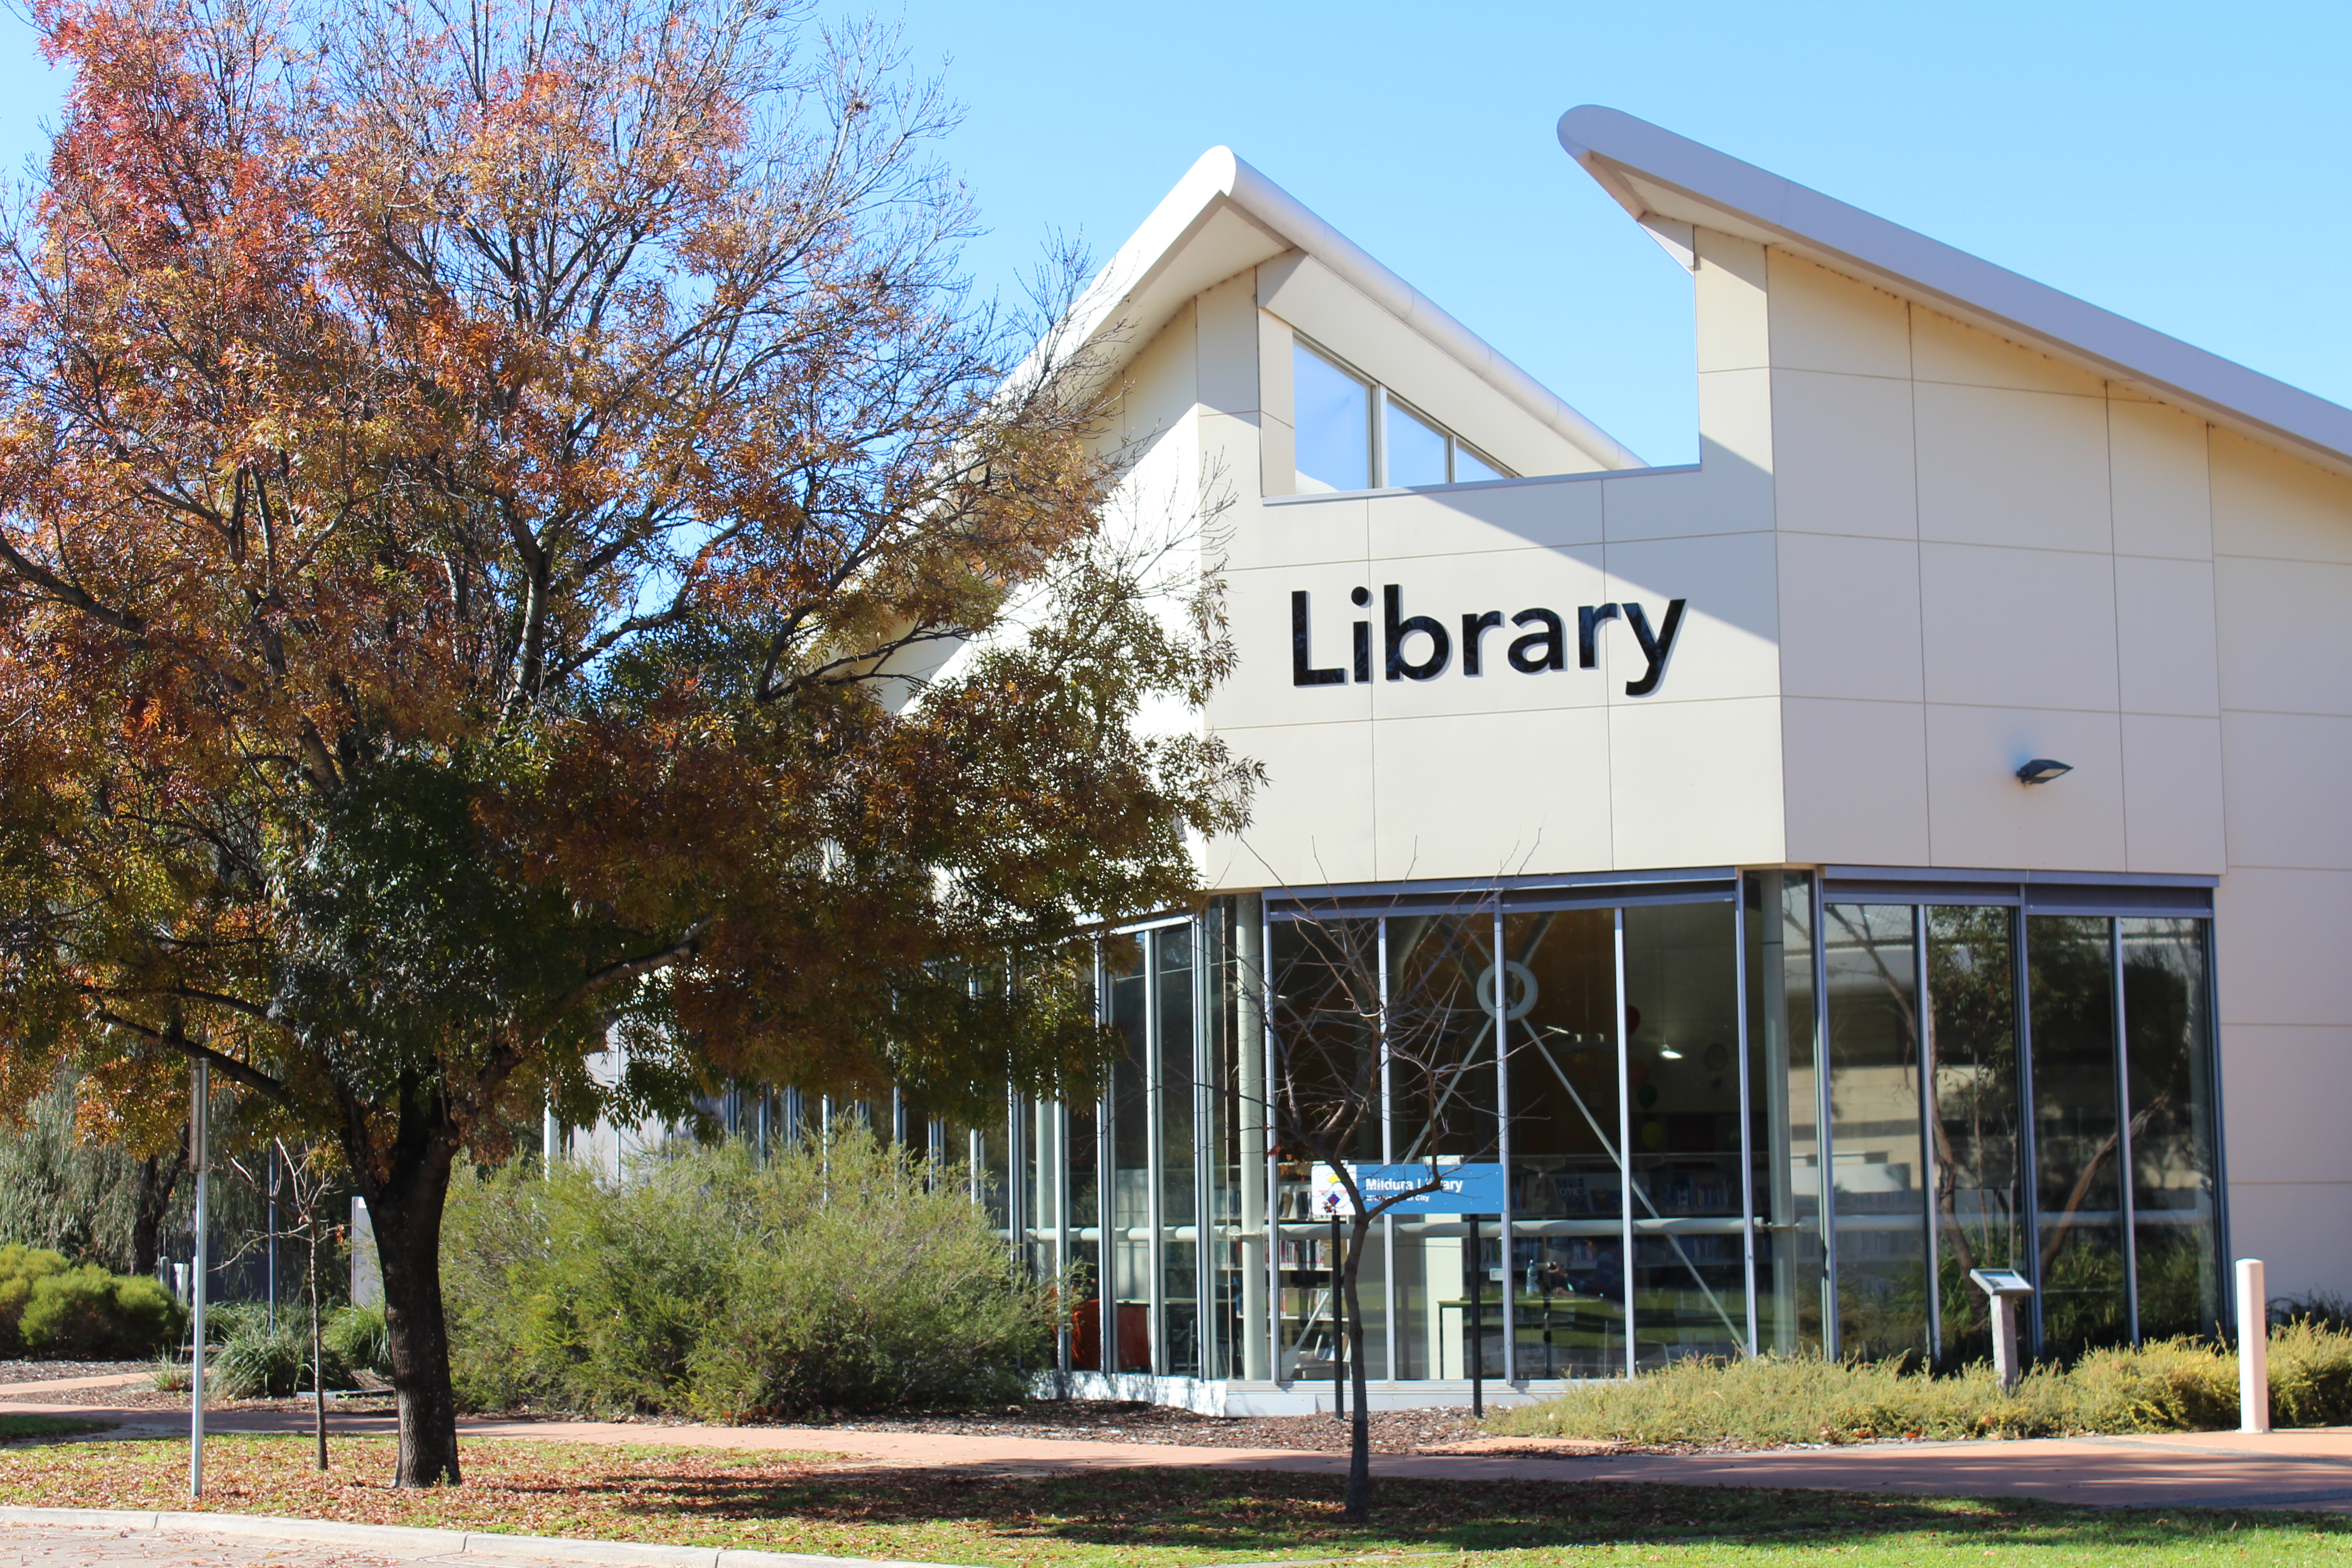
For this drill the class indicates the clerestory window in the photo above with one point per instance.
(1353, 434)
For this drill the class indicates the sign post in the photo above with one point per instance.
(2007, 1287)
(199, 1136)
(1477, 1323)
(1467, 1190)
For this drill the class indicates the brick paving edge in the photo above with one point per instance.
(420, 1541)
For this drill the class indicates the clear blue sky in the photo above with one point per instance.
(2185, 165)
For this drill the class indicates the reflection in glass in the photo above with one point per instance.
(1130, 1150)
(1469, 467)
(2174, 1204)
(1441, 1089)
(1413, 448)
(1972, 1067)
(1874, 1053)
(1326, 1004)
(1335, 424)
(2076, 1133)
(1681, 1019)
(1085, 1313)
(1567, 1267)
(1171, 957)
(1789, 1282)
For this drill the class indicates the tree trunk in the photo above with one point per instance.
(405, 1206)
(1359, 1431)
(157, 1178)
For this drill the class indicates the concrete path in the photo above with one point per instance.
(2306, 1469)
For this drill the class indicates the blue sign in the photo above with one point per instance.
(1456, 1189)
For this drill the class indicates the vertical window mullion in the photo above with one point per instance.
(1378, 447)
(1825, 1146)
(1501, 1005)
(2029, 1153)
(2128, 1205)
(1932, 1177)
(1746, 1116)
(1154, 1155)
(1388, 1155)
(1625, 1128)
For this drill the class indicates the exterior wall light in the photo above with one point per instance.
(2042, 770)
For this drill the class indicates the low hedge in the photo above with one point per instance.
(2166, 1386)
(51, 1308)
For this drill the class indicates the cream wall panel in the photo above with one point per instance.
(2289, 1133)
(1978, 815)
(1842, 458)
(1313, 820)
(1226, 343)
(2156, 476)
(1306, 532)
(2172, 794)
(1849, 617)
(1161, 387)
(1697, 783)
(1490, 794)
(2285, 639)
(1483, 517)
(1260, 690)
(2002, 467)
(2302, 1230)
(1946, 349)
(1728, 643)
(2019, 627)
(2267, 503)
(1227, 481)
(1730, 303)
(2290, 780)
(1278, 456)
(1719, 497)
(1826, 321)
(2164, 635)
(2280, 939)
(1857, 781)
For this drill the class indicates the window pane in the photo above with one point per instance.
(1783, 1103)
(1568, 1248)
(2174, 1197)
(1972, 1065)
(1469, 465)
(1879, 1211)
(1415, 449)
(1682, 1031)
(1335, 423)
(1171, 951)
(2075, 1133)
(1130, 1254)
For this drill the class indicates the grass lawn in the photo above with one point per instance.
(12, 1427)
(1150, 1519)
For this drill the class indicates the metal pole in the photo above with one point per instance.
(1747, 1112)
(1625, 1143)
(269, 1156)
(199, 1137)
(1477, 1323)
(2125, 1167)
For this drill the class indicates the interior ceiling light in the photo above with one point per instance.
(2042, 770)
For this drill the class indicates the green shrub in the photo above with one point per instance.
(258, 1362)
(20, 1268)
(712, 1283)
(2165, 1385)
(88, 1312)
(357, 1337)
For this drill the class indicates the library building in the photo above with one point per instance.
(1735, 899)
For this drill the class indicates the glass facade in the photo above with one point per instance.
(1730, 1115)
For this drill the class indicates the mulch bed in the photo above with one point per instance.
(1131, 1421)
(47, 1370)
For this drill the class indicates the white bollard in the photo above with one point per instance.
(2254, 1348)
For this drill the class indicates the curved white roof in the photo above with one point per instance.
(1663, 178)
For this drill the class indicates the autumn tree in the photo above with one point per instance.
(507, 523)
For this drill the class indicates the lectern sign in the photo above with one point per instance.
(1452, 1189)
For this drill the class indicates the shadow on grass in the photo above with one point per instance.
(1256, 1515)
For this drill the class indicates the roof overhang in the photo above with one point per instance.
(1664, 180)
(1224, 216)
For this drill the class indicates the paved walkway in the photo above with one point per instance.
(2306, 1469)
